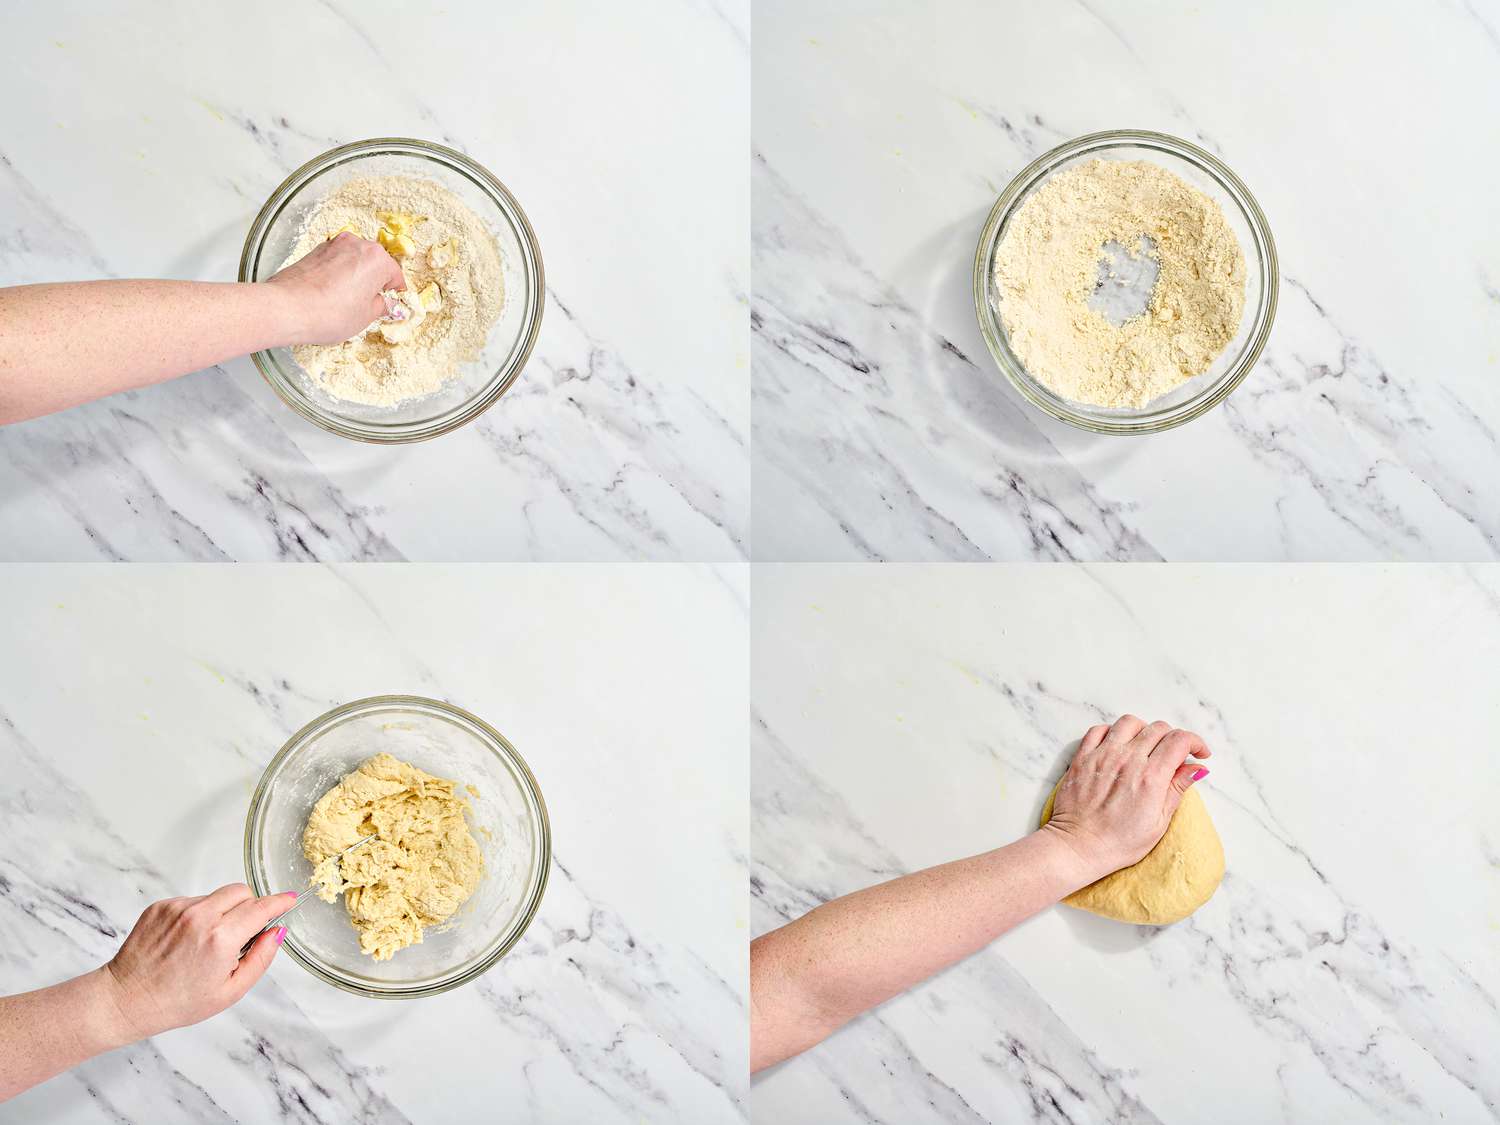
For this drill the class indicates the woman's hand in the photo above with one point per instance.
(1118, 796)
(181, 963)
(335, 291)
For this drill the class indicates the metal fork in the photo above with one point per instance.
(276, 921)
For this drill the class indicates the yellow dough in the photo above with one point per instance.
(1174, 878)
(422, 866)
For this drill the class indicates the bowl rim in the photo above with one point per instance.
(1080, 415)
(531, 259)
(373, 704)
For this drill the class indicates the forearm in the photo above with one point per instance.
(815, 974)
(45, 1032)
(61, 345)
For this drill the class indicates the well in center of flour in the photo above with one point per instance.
(1145, 233)
(454, 294)
(1127, 277)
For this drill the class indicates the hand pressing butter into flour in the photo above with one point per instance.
(453, 289)
(1125, 836)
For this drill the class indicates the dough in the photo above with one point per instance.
(422, 867)
(1176, 877)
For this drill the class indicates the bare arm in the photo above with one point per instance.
(69, 343)
(180, 964)
(814, 974)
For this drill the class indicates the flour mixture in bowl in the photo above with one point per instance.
(454, 292)
(422, 866)
(1055, 256)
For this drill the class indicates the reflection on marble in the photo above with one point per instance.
(145, 152)
(883, 135)
(138, 717)
(1345, 970)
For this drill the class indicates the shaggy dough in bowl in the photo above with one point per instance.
(1176, 877)
(423, 865)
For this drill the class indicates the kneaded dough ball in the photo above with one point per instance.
(1174, 878)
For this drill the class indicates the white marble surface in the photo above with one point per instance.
(150, 136)
(137, 717)
(883, 133)
(1346, 968)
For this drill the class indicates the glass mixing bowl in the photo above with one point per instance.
(477, 385)
(1262, 280)
(508, 818)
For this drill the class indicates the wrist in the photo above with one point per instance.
(105, 1020)
(1077, 862)
(281, 310)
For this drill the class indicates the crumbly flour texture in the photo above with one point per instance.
(423, 865)
(1047, 266)
(454, 293)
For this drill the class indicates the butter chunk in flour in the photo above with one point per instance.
(455, 289)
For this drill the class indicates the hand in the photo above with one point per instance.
(1120, 792)
(181, 962)
(335, 291)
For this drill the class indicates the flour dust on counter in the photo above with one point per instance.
(916, 719)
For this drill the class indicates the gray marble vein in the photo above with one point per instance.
(147, 702)
(882, 427)
(645, 457)
(1343, 971)
(862, 346)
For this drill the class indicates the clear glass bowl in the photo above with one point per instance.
(477, 385)
(442, 740)
(1262, 280)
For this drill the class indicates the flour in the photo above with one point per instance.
(1048, 263)
(454, 289)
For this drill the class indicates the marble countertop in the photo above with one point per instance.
(136, 721)
(884, 132)
(1346, 968)
(152, 134)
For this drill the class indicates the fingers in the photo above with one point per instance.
(1149, 738)
(254, 913)
(255, 962)
(1185, 775)
(1174, 749)
(390, 272)
(1092, 738)
(1125, 728)
(226, 898)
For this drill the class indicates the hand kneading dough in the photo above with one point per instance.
(421, 868)
(1174, 878)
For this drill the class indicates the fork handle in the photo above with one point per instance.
(276, 921)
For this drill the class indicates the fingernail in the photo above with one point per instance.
(1199, 773)
(280, 934)
(293, 894)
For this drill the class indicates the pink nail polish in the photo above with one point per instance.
(290, 894)
(1199, 773)
(280, 934)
